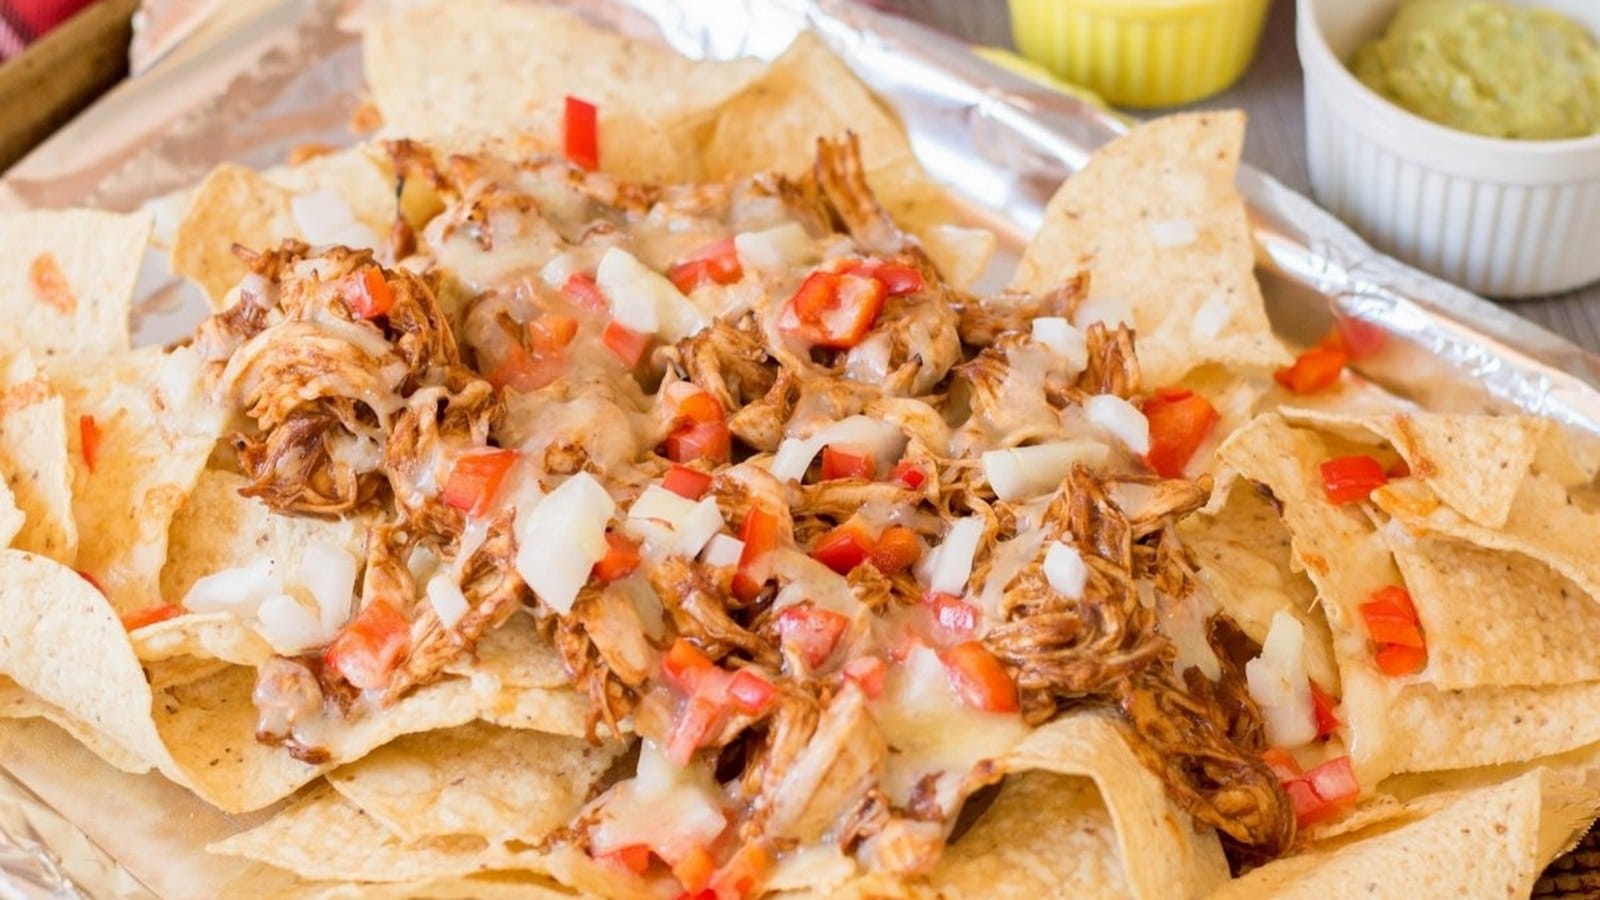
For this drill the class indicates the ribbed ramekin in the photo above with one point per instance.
(1142, 52)
(1500, 217)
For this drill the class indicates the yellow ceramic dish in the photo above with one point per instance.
(1142, 52)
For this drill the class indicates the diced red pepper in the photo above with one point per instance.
(582, 133)
(870, 673)
(550, 333)
(1357, 337)
(1399, 469)
(686, 668)
(759, 532)
(583, 292)
(847, 462)
(626, 344)
(634, 857)
(1282, 763)
(835, 310)
(475, 478)
(523, 372)
(750, 693)
(695, 869)
(717, 263)
(691, 484)
(1396, 660)
(700, 408)
(740, 876)
(620, 561)
(370, 647)
(1315, 370)
(698, 722)
(1391, 618)
(845, 547)
(1180, 421)
(711, 440)
(1325, 710)
(1324, 791)
(954, 616)
(370, 295)
(898, 280)
(896, 550)
(979, 679)
(908, 474)
(95, 582)
(811, 632)
(88, 440)
(1347, 479)
(150, 615)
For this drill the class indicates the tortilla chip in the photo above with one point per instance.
(484, 886)
(1045, 835)
(1491, 842)
(1173, 173)
(1474, 463)
(1163, 853)
(1495, 618)
(33, 460)
(17, 703)
(476, 779)
(217, 637)
(234, 205)
(484, 66)
(11, 518)
(66, 279)
(1246, 563)
(361, 176)
(1544, 522)
(156, 429)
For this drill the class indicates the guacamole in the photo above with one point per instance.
(1489, 68)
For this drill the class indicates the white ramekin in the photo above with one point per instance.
(1500, 217)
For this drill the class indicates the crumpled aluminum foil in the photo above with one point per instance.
(288, 72)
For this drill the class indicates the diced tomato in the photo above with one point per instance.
(896, 550)
(954, 616)
(700, 408)
(1397, 597)
(869, 673)
(1180, 421)
(980, 680)
(1358, 338)
(582, 132)
(582, 291)
(1396, 660)
(1325, 709)
(1346, 479)
(1282, 763)
(846, 462)
(835, 310)
(688, 483)
(620, 561)
(150, 615)
(717, 264)
(369, 295)
(550, 333)
(1315, 370)
(626, 344)
(694, 870)
(811, 632)
(706, 440)
(1391, 618)
(634, 857)
(369, 648)
(1324, 792)
(759, 532)
(845, 547)
(476, 477)
(88, 440)
(686, 668)
(909, 474)
(523, 372)
(897, 280)
(749, 692)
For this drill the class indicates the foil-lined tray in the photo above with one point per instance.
(283, 73)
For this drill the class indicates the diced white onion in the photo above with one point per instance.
(1277, 682)
(1211, 318)
(1173, 233)
(953, 568)
(1017, 473)
(239, 590)
(560, 539)
(1184, 621)
(1065, 341)
(328, 573)
(1065, 570)
(783, 247)
(290, 627)
(793, 458)
(695, 529)
(632, 288)
(1008, 561)
(1110, 310)
(664, 807)
(723, 550)
(1122, 419)
(659, 504)
(962, 254)
(561, 268)
(421, 564)
(447, 600)
(324, 218)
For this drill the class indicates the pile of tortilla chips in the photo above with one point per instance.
(1475, 772)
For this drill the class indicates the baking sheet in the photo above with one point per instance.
(287, 72)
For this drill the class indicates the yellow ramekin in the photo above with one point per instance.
(1142, 52)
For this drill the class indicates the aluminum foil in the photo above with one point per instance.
(279, 73)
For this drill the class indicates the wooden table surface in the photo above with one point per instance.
(1271, 93)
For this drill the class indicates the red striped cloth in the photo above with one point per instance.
(24, 21)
